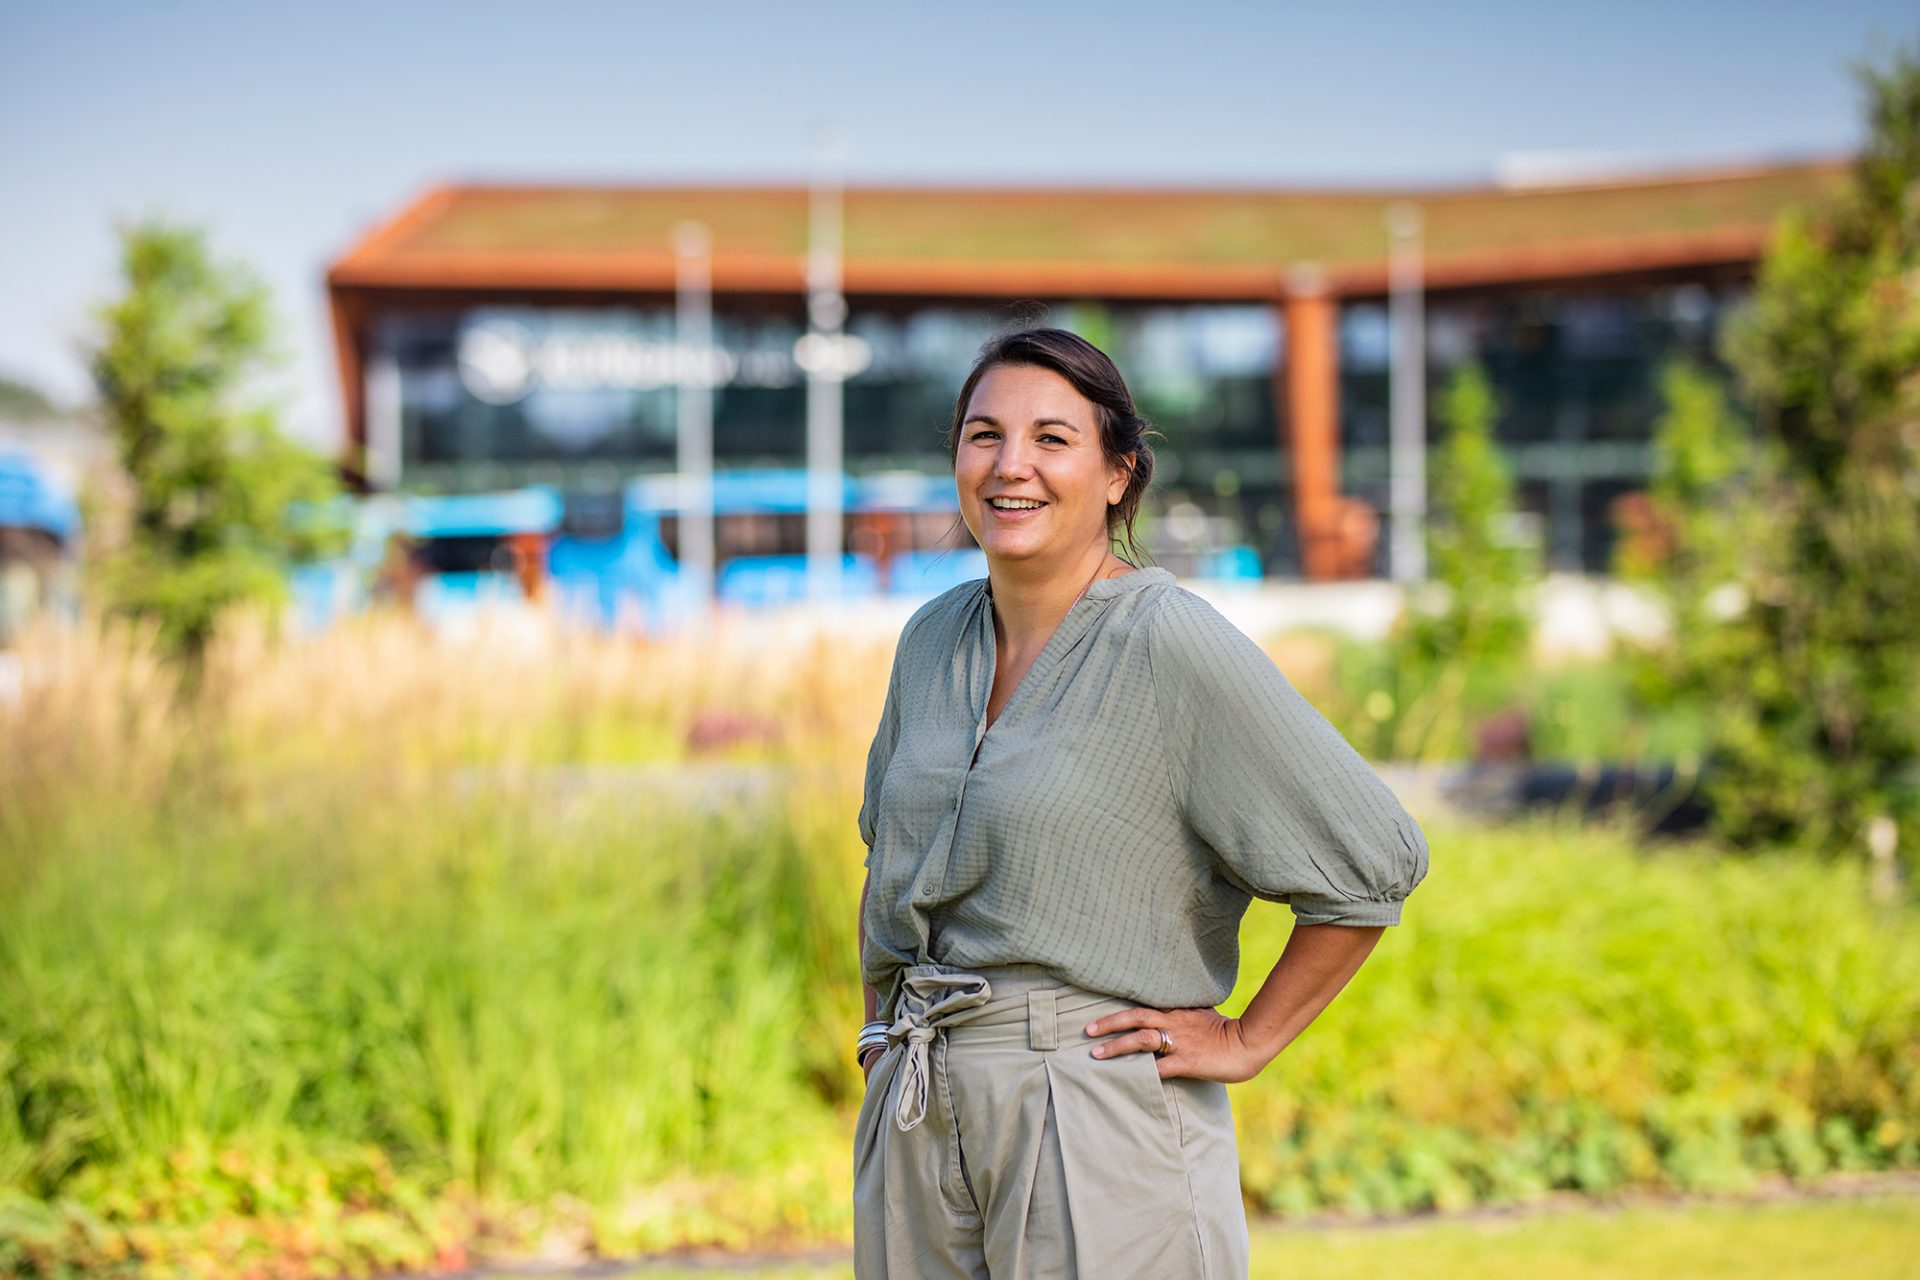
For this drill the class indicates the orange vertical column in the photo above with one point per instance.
(349, 320)
(1313, 405)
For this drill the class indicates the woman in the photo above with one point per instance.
(1082, 775)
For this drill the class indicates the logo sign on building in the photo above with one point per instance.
(503, 359)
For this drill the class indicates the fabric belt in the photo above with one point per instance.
(932, 997)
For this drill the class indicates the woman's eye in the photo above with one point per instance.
(1054, 438)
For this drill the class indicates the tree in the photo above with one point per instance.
(1811, 682)
(1473, 617)
(214, 482)
(1688, 540)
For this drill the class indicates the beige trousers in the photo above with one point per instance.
(992, 1145)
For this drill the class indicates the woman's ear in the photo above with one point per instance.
(1119, 476)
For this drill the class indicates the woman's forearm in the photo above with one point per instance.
(1315, 964)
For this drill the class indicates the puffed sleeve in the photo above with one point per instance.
(1293, 813)
(881, 752)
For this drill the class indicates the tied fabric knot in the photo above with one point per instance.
(927, 1000)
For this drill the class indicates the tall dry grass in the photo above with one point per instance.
(541, 916)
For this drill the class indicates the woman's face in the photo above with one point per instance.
(1033, 481)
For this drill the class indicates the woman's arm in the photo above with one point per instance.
(1316, 963)
(1313, 968)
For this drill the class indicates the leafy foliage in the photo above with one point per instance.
(1686, 541)
(1473, 614)
(213, 479)
(1795, 588)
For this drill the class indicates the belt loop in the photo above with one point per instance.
(1042, 1032)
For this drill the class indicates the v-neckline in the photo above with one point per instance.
(1098, 591)
(986, 726)
(993, 667)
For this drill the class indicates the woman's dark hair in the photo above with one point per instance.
(1123, 432)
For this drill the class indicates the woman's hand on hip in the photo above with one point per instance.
(1206, 1045)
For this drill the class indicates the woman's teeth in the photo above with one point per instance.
(1015, 504)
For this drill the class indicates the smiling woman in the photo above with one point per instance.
(1033, 483)
(1082, 776)
(1063, 434)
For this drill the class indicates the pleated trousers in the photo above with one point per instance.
(992, 1145)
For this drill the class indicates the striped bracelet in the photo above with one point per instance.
(872, 1035)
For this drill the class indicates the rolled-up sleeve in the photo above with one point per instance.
(1292, 812)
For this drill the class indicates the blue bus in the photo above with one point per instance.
(612, 558)
(39, 529)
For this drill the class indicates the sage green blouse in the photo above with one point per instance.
(1152, 773)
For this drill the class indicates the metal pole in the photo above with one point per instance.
(826, 314)
(1407, 458)
(383, 456)
(693, 402)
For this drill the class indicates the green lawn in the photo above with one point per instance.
(1859, 1240)
(1867, 1239)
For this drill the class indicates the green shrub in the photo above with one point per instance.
(1472, 617)
(1563, 1011)
(1577, 711)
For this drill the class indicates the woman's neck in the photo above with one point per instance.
(1030, 601)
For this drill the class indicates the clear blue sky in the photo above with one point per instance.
(288, 130)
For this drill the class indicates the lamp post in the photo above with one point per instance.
(821, 358)
(1407, 457)
(383, 411)
(693, 403)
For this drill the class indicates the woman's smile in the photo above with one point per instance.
(1015, 509)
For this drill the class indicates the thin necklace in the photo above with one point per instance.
(1090, 581)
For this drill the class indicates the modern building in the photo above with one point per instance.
(494, 336)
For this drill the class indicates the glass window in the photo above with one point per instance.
(496, 396)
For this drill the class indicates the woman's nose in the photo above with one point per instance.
(1010, 460)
